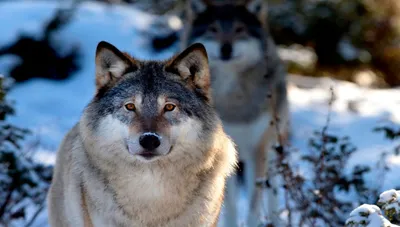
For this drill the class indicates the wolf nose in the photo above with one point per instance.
(226, 51)
(149, 141)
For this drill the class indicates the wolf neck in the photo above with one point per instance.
(151, 190)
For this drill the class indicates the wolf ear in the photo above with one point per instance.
(259, 8)
(111, 64)
(194, 7)
(192, 66)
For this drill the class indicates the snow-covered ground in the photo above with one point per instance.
(50, 108)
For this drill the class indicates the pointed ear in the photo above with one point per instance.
(259, 8)
(111, 64)
(194, 7)
(192, 66)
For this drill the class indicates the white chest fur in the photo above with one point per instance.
(144, 194)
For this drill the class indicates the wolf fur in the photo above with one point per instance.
(106, 176)
(248, 88)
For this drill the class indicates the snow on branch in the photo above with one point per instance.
(371, 215)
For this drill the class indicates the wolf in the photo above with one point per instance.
(149, 149)
(249, 90)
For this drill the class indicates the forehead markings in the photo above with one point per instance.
(225, 25)
(138, 100)
(160, 101)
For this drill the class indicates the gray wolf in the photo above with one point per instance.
(149, 149)
(248, 83)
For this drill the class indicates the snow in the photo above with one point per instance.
(51, 108)
(389, 201)
(369, 214)
(372, 215)
(355, 112)
(388, 196)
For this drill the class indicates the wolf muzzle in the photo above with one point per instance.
(226, 51)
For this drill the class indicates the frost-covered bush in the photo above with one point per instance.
(315, 199)
(23, 182)
(326, 193)
(390, 203)
(371, 215)
(368, 216)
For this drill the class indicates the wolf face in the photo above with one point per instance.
(232, 33)
(147, 111)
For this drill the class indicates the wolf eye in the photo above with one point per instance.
(239, 29)
(130, 107)
(213, 29)
(169, 107)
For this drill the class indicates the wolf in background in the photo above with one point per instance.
(248, 82)
(149, 149)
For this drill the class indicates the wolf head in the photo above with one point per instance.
(231, 31)
(149, 110)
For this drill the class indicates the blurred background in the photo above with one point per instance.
(355, 40)
(343, 57)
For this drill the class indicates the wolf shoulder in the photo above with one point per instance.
(62, 179)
